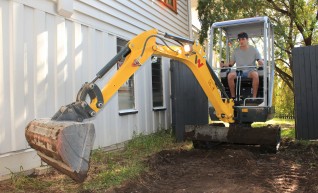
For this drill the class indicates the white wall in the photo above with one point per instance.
(45, 58)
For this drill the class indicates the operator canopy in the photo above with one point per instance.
(254, 27)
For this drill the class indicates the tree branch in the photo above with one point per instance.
(290, 35)
(285, 4)
(288, 79)
(283, 73)
(290, 86)
(275, 6)
(288, 51)
(299, 24)
(280, 59)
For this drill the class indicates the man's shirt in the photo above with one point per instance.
(246, 57)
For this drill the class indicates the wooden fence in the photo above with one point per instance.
(305, 71)
(285, 116)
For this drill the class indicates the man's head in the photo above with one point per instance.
(242, 38)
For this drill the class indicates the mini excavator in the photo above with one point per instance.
(65, 141)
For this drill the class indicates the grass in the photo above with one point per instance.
(117, 167)
(19, 182)
(288, 133)
(285, 123)
(287, 127)
(107, 169)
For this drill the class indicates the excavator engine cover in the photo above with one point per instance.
(65, 145)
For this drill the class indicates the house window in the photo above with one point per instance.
(157, 90)
(172, 4)
(126, 93)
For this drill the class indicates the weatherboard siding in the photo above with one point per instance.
(45, 58)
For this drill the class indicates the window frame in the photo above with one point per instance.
(172, 7)
(162, 106)
(131, 110)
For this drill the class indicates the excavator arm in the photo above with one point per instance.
(142, 47)
(65, 142)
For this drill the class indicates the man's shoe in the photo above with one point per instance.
(238, 102)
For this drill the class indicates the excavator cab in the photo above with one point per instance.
(247, 109)
(260, 35)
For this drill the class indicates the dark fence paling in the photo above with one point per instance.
(305, 71)
(189, 102)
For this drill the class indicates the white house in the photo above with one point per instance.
(49, 48)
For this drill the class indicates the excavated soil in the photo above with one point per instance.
(224, 168)
(230, 168)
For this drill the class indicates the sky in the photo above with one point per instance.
(194, 13)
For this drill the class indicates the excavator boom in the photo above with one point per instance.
(65, 141)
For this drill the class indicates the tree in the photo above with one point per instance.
(283, 98)
(295, 24)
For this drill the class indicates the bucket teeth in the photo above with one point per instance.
(65, 145)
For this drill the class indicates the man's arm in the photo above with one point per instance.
(258, 58)
(229, 64)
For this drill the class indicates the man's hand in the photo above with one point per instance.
(260, 62)
(223, 64)
(230, 64)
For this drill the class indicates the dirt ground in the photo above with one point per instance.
(229, 168)
(225, 168)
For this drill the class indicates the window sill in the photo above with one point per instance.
(159, 108)
(127, 112)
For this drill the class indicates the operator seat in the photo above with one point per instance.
(246, 84)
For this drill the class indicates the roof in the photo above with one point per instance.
(252, 26)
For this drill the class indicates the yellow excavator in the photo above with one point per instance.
(65, 141)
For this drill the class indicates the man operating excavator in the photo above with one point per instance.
(244, 56)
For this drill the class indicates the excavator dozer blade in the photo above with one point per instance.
(203, 136)
(65, 145)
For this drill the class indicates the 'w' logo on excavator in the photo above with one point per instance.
(200, 63)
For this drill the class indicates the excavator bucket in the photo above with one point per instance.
(65, 145)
